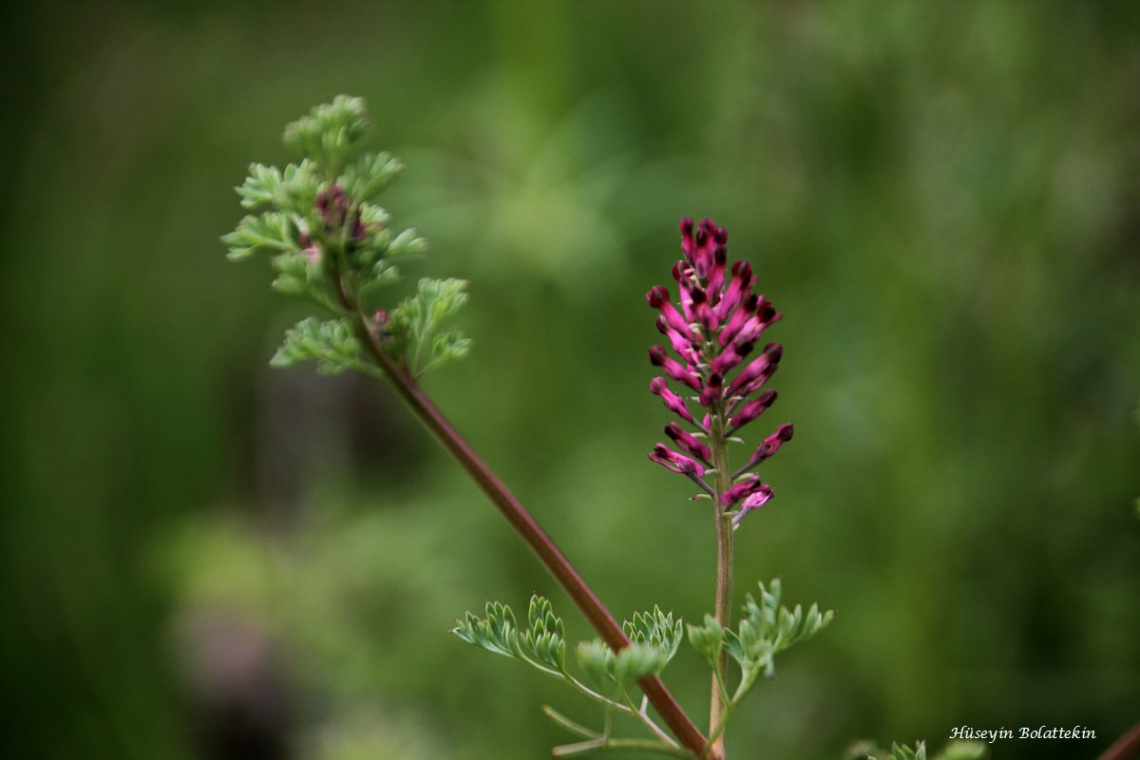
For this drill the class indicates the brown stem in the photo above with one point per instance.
(1127, 746)
(541, 544)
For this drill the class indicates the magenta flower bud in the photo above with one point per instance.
(358, 230)
(712, 391)
(752, 502)
(688, 442)
(699, 246)
(332, 206)
(771, 444)
(752, 410)
(757, 498)
(679, 463)
(658, 298)
(748, 307)
(752, 377)
(748, 485)
(716, 272)
(691, 295)
(703, 312)
(736, 290)
(688, 244)
(758, 323)
(720, 234)
(730, 357)
(673, 368)
(673, 402)
(682, 347)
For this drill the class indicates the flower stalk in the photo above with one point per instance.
(713, 333)
(722, 610)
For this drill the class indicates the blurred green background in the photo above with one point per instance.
(203, 558)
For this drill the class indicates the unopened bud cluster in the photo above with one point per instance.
(714, 336)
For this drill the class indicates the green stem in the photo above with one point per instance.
(720, 705)
(621, 745)
(569, 725)
(646, 721)
(745, 685)
(525, 525)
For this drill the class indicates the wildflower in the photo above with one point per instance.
(713, 331)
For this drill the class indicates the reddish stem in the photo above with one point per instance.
(1127, 746)
(526, 526)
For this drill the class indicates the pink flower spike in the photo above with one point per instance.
(679, 463)
(712, 391)
(673, 368)
(752, 410)
(748, 485)
(658, 298)
(690, 443)
(673, 402)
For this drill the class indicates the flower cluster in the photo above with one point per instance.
(713, 334)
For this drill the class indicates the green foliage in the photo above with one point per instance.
(952, 750)
(272, 231)
(654, 636)
(707, 639)
(331, 134)
(906, 753)
(413, 328)
(963, 750)
(333, 244)
(544, 641)
(597, 661)
(657, 630)
(765, 630)
(294, 191)
(331, 344)
(370, 174)
(541, 646)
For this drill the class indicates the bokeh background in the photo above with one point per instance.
(205, 559)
